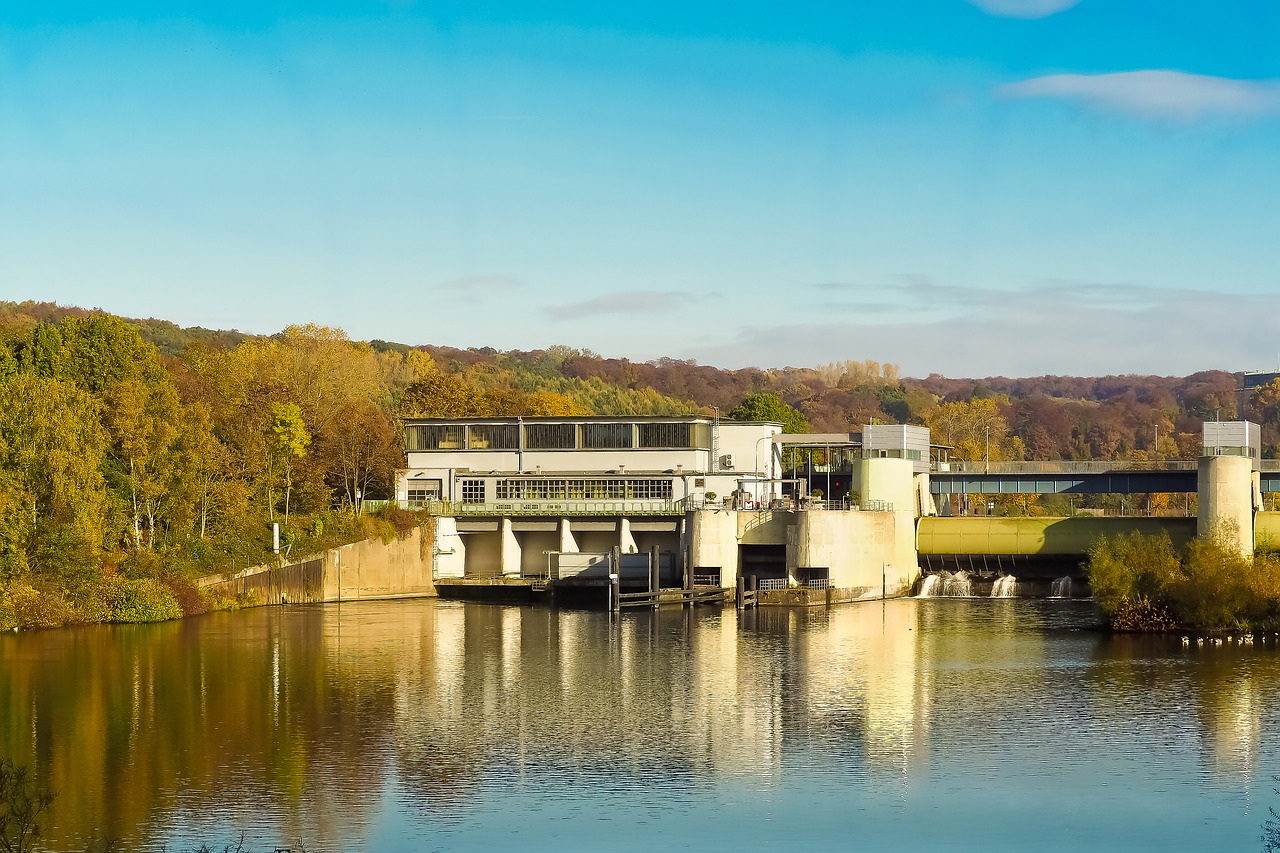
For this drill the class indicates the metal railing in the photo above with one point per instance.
(1062, 467)
(772, 584)
(457, 508)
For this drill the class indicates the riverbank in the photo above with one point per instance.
(390, 558)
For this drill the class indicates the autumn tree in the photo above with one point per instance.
(974, 429)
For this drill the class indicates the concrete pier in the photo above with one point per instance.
(1228, 500)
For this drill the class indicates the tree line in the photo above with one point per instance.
(136, 455)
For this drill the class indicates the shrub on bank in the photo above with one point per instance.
(1142, 584)
(140, 600)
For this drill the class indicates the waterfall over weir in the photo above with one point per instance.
(944, 585)
(1061, 588)
(1005, 587)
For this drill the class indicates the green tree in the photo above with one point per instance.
(52, 446)
(287, 441)
(766, 406)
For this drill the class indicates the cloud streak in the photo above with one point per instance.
(631, 302)
(1024, 8)
(468, 284)
(1057, 327)
(1155, 94)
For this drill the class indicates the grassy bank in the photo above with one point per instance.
(151, 586)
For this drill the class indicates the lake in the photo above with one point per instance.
(956, 724)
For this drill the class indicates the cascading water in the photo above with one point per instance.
(957, 585)
(943, 585)
(1060, 588)
(1005, 587)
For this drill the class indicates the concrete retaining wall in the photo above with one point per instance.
(370, 569)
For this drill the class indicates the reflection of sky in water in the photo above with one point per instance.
(956, 724)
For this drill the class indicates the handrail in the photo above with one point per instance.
(566, 507)
(1064, 466)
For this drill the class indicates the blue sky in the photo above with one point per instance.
(969, 187)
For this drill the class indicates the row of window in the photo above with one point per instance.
(548, 488)
(589, 436)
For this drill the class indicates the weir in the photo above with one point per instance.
(601, 509)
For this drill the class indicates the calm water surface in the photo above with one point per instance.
(417, 725)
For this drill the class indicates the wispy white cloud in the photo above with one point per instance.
(1024, 8)
(1055, 327)
(470, 284)
(631, 302)
(1154, 94)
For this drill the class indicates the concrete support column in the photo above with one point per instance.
(625, 540)
(510, 560)
(1226, 501)
(682, 550)
(924, 500)
(450, 549)
(568, 545)
(714, 544)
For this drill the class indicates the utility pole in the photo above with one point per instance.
(986, 453)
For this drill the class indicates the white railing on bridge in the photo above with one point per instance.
(1063, 467)
(575, 508)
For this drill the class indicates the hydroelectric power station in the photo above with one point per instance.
(566, 507)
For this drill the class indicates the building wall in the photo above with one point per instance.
(749, 446)
(872, 552)
(483, 558)
(714, 543)
(746, 443)
(854, 546)
(889, 481)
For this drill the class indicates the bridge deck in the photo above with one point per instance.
(1042, 483)
(1082, 478)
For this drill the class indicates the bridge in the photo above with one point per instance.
(1080, 478)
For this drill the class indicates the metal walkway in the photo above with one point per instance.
(1079, 478)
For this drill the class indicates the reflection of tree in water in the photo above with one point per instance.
(1212, 696)
(200, 724)
(1271, 827)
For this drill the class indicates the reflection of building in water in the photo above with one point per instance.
(1231, 708)
(862, 673)
(734, 713)
(533, 685)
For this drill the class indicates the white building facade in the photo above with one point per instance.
(586, 464)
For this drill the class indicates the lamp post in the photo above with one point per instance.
(763, 474)
(715, 438)
(986, 452)
(1155, 450)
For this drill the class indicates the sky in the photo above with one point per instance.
(964, 187)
